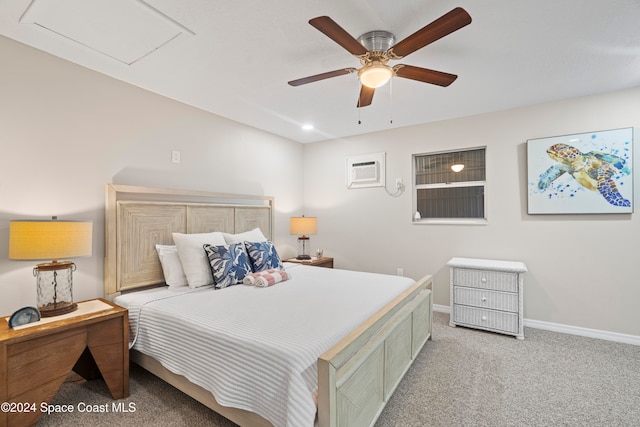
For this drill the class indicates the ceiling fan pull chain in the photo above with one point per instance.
(359, 88)
(391, 100)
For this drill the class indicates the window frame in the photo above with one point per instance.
(445, 220)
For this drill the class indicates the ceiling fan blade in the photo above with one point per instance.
(446, 24)
(336, 33)
(327, 75)
(424, 75)
(366, 96)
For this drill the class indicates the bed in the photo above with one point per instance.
(352, 370)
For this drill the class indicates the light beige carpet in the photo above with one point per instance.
(463, 377)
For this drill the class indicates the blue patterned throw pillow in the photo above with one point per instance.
(228, 264)
(263, 256)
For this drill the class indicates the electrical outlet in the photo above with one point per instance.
(400, 271)
(175, 156)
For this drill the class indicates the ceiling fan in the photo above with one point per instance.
(376, 48)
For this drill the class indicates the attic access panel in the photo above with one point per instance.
(126, 30)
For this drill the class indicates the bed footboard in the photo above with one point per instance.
(357, 376)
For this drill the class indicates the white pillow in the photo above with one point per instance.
(254, 235)
(171, 267)
(193, 258)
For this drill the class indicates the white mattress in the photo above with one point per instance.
(257, 348)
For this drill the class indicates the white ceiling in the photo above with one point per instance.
(234, 58)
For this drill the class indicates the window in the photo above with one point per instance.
(441, 193)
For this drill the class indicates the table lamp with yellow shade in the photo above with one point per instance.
(302, 226)
(51, 240)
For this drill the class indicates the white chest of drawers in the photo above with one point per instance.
(487, 294)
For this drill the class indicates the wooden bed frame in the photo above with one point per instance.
(356, 377)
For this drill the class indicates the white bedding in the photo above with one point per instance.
(257, 348)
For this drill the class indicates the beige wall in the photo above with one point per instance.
(582, 269)
(66, 131)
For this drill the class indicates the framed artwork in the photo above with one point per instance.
(584, 173)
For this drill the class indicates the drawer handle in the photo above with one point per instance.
(484, 318)
(484, 299)
(483, 280)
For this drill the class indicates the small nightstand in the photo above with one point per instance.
(36, 358)
(326, 262)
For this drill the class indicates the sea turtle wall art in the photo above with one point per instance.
(581, 173)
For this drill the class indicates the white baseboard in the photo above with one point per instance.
(442, 308)
(568, 329)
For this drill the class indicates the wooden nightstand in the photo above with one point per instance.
(317, 262)
(36, 358)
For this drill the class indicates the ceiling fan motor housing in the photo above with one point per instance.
(377, 41)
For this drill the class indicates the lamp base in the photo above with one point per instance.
(303, 248)
(58, 308)
(55, 288)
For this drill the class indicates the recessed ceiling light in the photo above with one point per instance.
(307, 127)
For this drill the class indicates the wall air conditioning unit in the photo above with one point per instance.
(367, 170)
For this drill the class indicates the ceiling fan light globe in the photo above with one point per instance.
(375, 75)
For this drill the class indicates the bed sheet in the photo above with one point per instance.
(256, 348)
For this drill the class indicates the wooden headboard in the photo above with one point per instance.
(138, 218)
